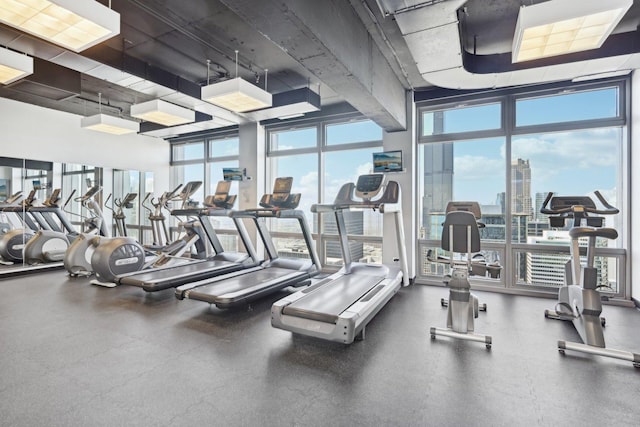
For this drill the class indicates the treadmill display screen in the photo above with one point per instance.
(283, 185)
(369, 183)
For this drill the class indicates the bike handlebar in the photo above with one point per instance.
(608, 209)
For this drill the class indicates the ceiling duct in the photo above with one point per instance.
(50, 81)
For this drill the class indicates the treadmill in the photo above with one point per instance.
(339, 307)
(218, 205)
(271, 276)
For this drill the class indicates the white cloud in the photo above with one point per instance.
(477, 168)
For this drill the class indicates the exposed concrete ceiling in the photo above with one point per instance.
(366, 53)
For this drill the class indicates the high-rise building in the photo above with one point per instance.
(437, 185)
(537, 216)
(354, 221)
(548, 269)
(521, 188)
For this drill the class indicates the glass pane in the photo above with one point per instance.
(71, 167)
(224, 147)
(291, 248)
(567, 164)
(192, 151)
(461, 119)
(588, 105)
(546, 269)
(146, 189)
(303, 169)
(215, 175)
(185, 173)
(294, 138)
(342, 167)
(471, 170)
(347, 133)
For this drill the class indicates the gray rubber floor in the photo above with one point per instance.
(77, 355)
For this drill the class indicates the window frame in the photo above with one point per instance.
(508, 99)
(319, 149)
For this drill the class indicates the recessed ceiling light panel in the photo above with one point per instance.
(14, 66)
(558, 27)
(73, 24)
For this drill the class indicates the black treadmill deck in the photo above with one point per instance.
(177, 275)
(246, 287)
(331, 299)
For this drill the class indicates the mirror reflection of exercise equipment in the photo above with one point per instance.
(579, 299)
(461, 236)
(118, 215)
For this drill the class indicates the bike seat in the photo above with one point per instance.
(607, 233)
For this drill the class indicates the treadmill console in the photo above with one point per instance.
(368, 186)
(221, 199)
(53, 199)
(281, 198)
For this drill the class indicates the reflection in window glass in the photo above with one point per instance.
(72, 167)
(193, 151)
(347, 133)
(461, 119)
(224, 147)
(126, 182)
(293, 139)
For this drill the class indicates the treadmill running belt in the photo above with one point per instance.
(244, 287)
(327, 302)
(170, 277)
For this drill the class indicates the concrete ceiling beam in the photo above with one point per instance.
(329, 40)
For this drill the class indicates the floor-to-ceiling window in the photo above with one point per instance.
(507, 151)
(203, 159)
(321, 156)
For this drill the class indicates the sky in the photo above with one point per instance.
(567, 163)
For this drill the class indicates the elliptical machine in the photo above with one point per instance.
(12, 242)
(579, 300)
(77, 258)
(461, 235)
(118, 215)
(52, 245)
(11, 201)
(115, 257)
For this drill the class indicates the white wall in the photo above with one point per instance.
(406, 142)
(634, 255)
(32, 132)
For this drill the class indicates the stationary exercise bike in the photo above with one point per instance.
(461, 235)
(579, 299)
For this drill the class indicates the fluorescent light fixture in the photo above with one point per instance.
(163, 113)
(558, 27)
(110, 124)
(72, 24)
(236, 95)
(14, 66)
(288, 105)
